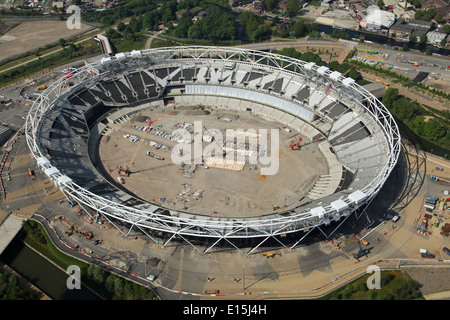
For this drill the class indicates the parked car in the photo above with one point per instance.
(446, 250)
(439, 168)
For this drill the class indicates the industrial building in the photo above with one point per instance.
(435, 37)
(378, 21)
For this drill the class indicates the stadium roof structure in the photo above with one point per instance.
(361, 141)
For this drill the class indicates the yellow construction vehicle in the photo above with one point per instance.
(270, 254)
(337, 244)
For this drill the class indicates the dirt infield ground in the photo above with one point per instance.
(30, 35)
(227, 192)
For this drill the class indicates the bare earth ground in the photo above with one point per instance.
(225, 191)
(432, 280)
(340, 18)
(30, 35)
(324, 51)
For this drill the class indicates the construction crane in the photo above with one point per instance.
(361, 252)
(364, 242)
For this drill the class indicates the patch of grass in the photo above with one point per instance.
(395, 285)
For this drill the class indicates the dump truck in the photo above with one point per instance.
(425, 254)
(151, 154)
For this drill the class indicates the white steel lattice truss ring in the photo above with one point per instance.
(319, 79)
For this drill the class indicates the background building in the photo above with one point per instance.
(378, 21)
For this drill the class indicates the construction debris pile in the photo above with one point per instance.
(188, 169)
(435, 208)
(187, 191)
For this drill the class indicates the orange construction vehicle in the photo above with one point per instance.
(31, 174)
(364, 242)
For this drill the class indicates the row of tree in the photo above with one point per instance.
(254, 27)
(10, 288)
(421, 121)
(113, 287)
(218, 25)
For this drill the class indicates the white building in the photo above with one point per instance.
(435, 37)
(378, 21)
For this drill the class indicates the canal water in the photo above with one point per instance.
(384, 40)
(42, 273)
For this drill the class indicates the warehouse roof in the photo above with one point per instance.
(380, 17)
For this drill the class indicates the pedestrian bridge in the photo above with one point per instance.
(8, 230)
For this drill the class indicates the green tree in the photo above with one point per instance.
(62, 42)
(429, 14)
(389, 96)
(217, 26)
(433, 130)
(261, 33)
(113, 34)
(109, 283)
(10, 288)
(446, 28)
(380, 3)
(181, 31)
(98, 275)
(269, 5)
(292, 8)
(418, 124)
(418, 15)
(423, 38)
(299, 29)
(121, 26)
(119, 286)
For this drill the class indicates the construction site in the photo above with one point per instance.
(215, 185)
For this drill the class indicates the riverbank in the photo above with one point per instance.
(25, 284)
